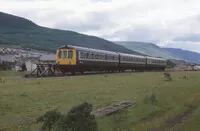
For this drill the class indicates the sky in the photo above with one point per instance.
(167, 23)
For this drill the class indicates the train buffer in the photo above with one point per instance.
(43, 69)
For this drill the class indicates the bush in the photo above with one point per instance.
(2, 80)
(49, 119)
(185, 77)
(151, 99)
(167, 76)
(79, 118)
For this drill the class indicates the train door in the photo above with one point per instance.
(71, 57)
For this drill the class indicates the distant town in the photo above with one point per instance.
(15, 59)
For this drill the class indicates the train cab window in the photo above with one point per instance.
(70, 54)
(64, 55)
(59, 54)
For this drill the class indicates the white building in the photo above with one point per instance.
(31, 65)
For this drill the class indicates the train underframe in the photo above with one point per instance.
(73, 69)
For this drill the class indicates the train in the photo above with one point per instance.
(76, 59)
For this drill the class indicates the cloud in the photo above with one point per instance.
(158, 21)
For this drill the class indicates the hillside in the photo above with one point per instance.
(147, 48)
(185, 54)
(20, 32)
(168, 53)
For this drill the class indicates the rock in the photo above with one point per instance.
(112, 109)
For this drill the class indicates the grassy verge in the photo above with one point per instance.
(21, 102)
(10, 73)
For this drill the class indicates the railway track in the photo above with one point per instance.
(60, 75)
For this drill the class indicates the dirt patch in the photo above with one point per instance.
(108, 110)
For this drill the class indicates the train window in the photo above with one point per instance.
(82, 55)
(64, 54)
(87, 55)
(96, 56)
(59, 54)
(100, 56)
(70, 54)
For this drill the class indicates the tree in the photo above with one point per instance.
(170, 64)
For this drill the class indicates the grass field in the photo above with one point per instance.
(176, 102)
(10, 73)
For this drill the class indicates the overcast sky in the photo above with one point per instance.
(170, 23)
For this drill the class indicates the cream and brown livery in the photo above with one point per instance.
(80, 59)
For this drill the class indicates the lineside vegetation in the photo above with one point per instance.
(160, 104)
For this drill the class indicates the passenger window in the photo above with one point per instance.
(70, 54)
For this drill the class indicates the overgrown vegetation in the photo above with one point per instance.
(170, 64)
(79, 118)
(2, 80)
(152, 99)
(23, 101)
(167, 76)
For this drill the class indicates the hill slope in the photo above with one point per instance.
(21, 32)
(168, 53)
(147, 48)
(185, 54)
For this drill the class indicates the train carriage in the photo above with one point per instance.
(132, 62)
(79, 59)
(155, 63)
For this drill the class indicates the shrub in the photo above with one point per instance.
(185, 77)
(79, 118)
(49, 119)
(150, 99)
(167, 76)
(2, 80)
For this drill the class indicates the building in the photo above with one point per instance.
(31, 65)
(7, 62)
(50, 58)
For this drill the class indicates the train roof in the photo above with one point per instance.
(155, 58)
(88, 49)
(131, 55)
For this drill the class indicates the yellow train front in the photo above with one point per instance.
(79, 59)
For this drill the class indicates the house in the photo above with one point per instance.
(31, 65)
(7, 62)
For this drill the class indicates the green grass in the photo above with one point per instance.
(22, 101)
(10, 73)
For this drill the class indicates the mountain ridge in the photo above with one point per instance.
(155, 50)
(15, 30)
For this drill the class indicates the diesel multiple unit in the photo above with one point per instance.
(80, 59)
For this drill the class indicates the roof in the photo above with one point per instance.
(33, 61)
(155, 58)
(51, 57)
(6, 58)
(88, 49)
(132, 55)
